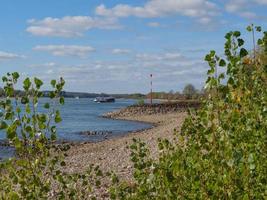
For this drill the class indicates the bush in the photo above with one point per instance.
(141, 102)
(221, 152)
(37, 170)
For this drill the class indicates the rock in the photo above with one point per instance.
(148, 109)
(89, 133)
(4, 143)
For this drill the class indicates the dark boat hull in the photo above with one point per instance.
(104, 100)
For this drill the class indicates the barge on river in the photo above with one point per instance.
(104, 100)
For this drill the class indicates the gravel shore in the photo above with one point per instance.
(113, 154)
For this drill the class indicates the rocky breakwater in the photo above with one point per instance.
(158, 108)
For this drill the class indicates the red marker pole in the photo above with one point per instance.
(151, 89)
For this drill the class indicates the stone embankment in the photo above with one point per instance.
(148, 109)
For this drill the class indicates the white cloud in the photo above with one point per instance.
(48, 64)
(9, 56)
(205, 20)
(171, 70)
(50, 71)
(159, 57)
(263, 2)
(159, 8)
(243, 7)
(69, 26)
(154, 24)
(248, 14)
(66, 50)
(121, 51)
(75, 26)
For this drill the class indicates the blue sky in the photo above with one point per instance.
(114, 45)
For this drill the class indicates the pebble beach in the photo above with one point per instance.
(113, 154)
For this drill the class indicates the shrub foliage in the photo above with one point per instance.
(37, 169)
(221, 152)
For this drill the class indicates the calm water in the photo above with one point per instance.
(82, 115)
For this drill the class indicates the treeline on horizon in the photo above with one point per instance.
(189, 92)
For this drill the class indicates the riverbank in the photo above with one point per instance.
(113, 154)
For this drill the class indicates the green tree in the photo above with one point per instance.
(189, 91)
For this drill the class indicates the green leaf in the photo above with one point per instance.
(15, 75)
(28, 129)
(46, 105)
(41, 125)
(231, 81)
(3, 125)
(243, 52)
(252, 166)
(4, 78)
(208, 58)
(11, 132)
(57, 117)
(42, 117)
(249, 28)
(52, 95)
(258, 28)
(210, 71)
(61, 100)
(212, 53)
(221, 76)
(13, 195)
(28, 109)
(18, 144)
(222, 63)
(53, 129)
(24, 100)
(237, 33)
(53, 83)
(228, 35)
(8, 115)
(27, 84)
(53, 137)
(40, 94)
(38, 83)
(240, 42)
(62, 164)
(260, 42)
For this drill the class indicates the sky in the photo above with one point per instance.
(113, 46)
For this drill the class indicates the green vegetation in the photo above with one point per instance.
(36, 172)
(141, 102)
(221, 152)
(190, 92)
(171, 95)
